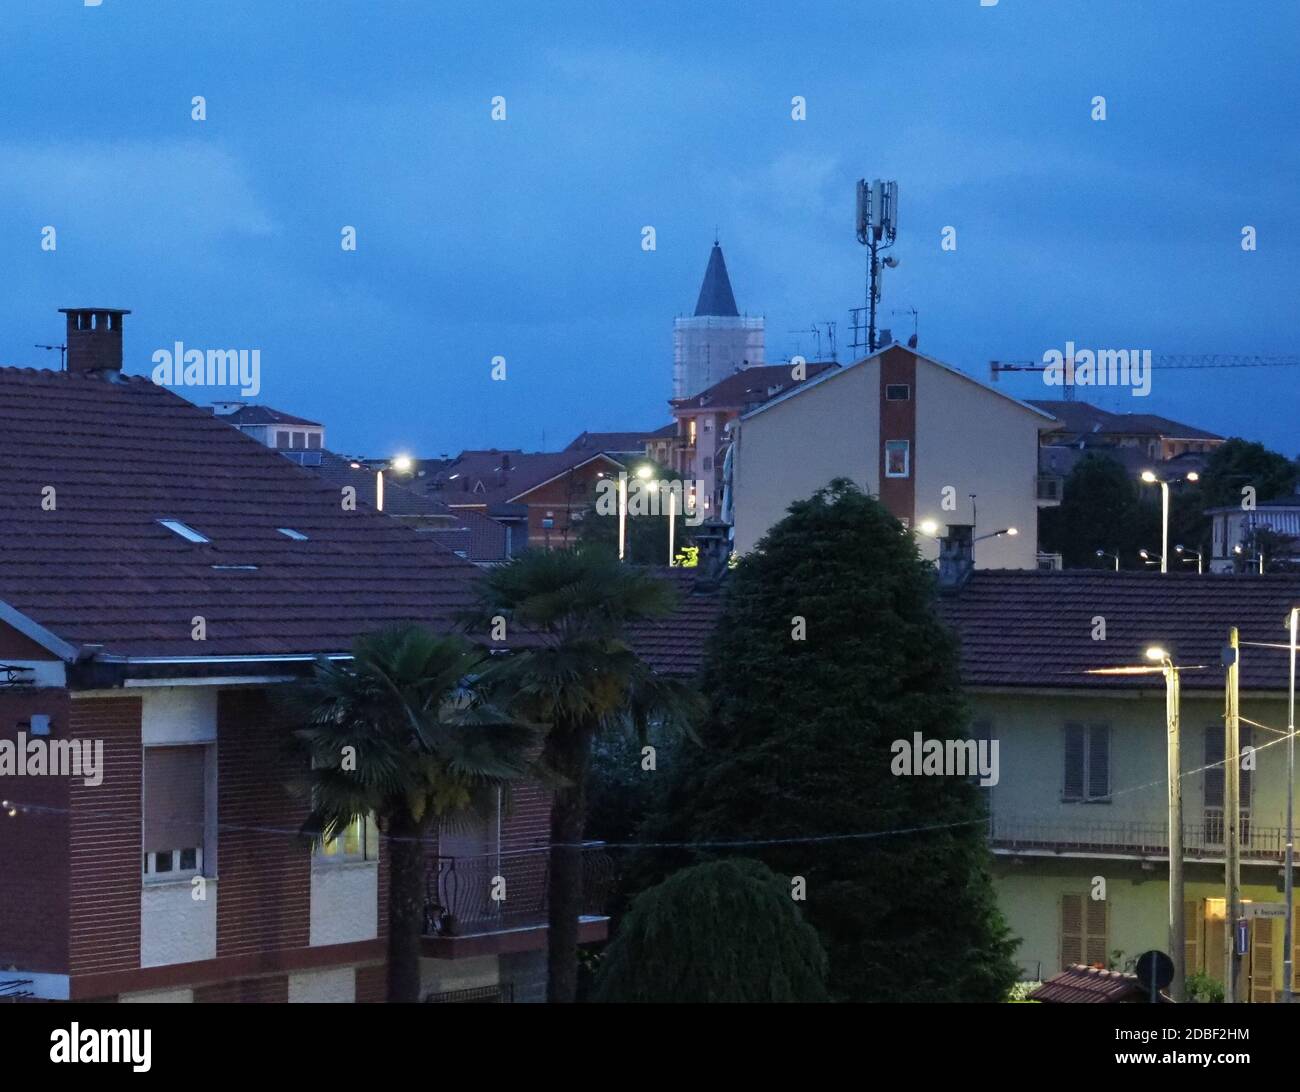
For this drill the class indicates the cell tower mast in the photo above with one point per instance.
(876, 223)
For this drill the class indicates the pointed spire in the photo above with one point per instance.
(715, 292)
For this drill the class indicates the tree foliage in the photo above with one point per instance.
(798, 746)
(724, 931)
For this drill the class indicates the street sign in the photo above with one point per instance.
(1243, 936)
(1265, 909)
(1154, 970)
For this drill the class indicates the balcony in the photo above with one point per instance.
(462, 918)
(1100, 837)
(1050, 487)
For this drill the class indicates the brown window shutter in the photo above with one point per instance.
(174, 795)
(1193, 922)
(1261, 961)
(1094, 948)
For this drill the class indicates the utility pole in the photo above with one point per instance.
(1288, 931)
(1232, 817)
(1177, 924)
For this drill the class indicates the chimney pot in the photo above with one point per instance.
(94, 340)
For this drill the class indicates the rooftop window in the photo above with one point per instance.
(289, 532)
(184, 530)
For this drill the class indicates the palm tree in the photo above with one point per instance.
(577, 677)
(402, 733)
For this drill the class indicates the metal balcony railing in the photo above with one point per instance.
(459, 890)
(1202, 836)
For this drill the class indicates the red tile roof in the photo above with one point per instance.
(1078, 984)
(262, 415)
(1024, 628)
(618, 443)
(675, 645)
(100, 568)
(1085, 419)
(503, 475)
(749, 387)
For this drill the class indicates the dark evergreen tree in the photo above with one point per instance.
(797, 745)
(726, 931)
(1102, 509)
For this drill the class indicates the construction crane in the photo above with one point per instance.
(1162, 360)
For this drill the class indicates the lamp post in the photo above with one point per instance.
(1259, 557)
(1163, 664)
(1150, 478)
(643, 472)
(1152, 559)
(1115, 556)
(1196, 556)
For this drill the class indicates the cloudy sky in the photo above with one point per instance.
(522, 238)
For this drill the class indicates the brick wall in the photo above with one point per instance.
(255, 991)
(372, 984)
(34, 847)
(105, 839)
(264, 877)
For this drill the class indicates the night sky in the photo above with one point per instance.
(522, 238)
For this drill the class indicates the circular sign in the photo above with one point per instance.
(1154, 968)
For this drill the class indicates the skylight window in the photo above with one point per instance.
(289, 532)
(184, 530)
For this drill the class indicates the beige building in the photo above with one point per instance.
(929, 441)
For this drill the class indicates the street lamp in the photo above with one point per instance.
(1162, 663)
(1150, 478)
(1259, 557)
(1011, 531)
(1196, 554)
(644, 472)
(1152, 559)
(1103, 553)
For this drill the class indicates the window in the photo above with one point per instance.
(897, 459)
(313, 440)
(289, 532)
(281, 439)
(1214, 784)
(299, 440)
(1087, 763)
(690, 431)
(708, 462)
(359, 841)
(184, 530)
(897, 392)
(175, 811)
(1083, 930)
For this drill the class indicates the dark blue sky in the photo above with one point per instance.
(522, 238)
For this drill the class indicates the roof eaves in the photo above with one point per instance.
(567, 470)
(36, 632)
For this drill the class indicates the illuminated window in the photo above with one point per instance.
(690, 431)
(897, 459)
(358, 841)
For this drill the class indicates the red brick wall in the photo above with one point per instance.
(372, 984)
(34, 846)
(255, 991)
(264, 877)
(570, 492)
(105, 834)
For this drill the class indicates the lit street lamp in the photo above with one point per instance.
(1152, 559)
(1196, 555)
(644, 471)
(1162, 664)
(1259, 557)
(1149, 477)
(1103, 553)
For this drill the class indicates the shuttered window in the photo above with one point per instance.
(1087, 762)
(1083, 930)
(175, 809)
(1193, 926)
(1261, 960)
(1214, 783)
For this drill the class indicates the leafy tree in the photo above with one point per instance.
(723, 931)
(1239, 463)
(579, 680)
(1100, 509)
(829, 649)
(401, 734)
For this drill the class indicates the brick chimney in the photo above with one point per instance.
(956, 556)
(94, 340)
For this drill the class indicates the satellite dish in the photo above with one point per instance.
(1154, 970)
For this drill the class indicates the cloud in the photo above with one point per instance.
(180, 190)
